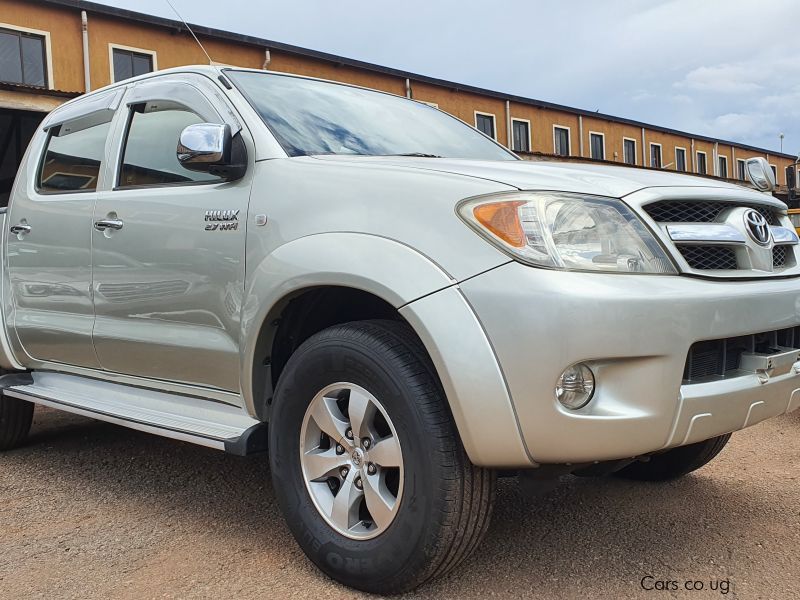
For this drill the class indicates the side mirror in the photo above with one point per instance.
(210, 148)
(760, 174)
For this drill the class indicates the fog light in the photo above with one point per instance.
(575, 386)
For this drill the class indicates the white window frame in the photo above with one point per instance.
(530, 140)
(569, 138)
(111, 47)
(775, 171)
(603, 136)
(685, 162)
(727, 166)
(743, 162)
(485, 114)
(48, 49)
(660, 153)
(635, 150)
(697, 162)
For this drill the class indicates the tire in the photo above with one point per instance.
(676, 462)
(16, 417)
(444, 504)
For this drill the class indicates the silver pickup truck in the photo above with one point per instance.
(385, 300)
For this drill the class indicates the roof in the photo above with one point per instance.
(35, 89)
(202, 30)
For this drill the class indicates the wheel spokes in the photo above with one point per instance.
(344, 511)
(361, 412)
(386, 452)
(380, 502)
(320, 464)
(329, 418)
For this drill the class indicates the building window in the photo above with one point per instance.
(723, 166)
(149, 155)
(597, 146)
(655, 156)
(629, 151)
(485, 123)
(561, 140)
(774, 172)
(740, 169)
(701, 163)
(790, 174)
(680, 159)
(127, 63)
(23, 58)
(521, 135)
(72, 159)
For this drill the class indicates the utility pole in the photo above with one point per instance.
(780, 135)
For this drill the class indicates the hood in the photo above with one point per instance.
(603, 180)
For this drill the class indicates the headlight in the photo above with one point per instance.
(567, 231)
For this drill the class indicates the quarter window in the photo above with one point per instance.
(629, 151)
(485, 124)
(701, 163)
(680, 159)
(149, 156)
(128, 63)
(597, 146)
(561, 141)
(72, 159)
(521, 136)
(22, 58)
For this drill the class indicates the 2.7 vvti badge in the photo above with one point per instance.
(398, 309)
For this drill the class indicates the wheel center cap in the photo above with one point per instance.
(357, 457)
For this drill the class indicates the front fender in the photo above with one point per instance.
(386, 268)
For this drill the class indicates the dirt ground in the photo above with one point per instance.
(91, 510)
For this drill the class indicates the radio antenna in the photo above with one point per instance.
(175, 10)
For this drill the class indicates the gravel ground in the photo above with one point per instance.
(91, 510)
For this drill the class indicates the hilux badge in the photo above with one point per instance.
(222, 220)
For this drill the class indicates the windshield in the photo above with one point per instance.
(317, 117)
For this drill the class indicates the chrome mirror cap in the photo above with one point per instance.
(760, 174)
(203, 145)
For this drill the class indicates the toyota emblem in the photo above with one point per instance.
(757, 227)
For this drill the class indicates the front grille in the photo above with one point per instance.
(722, 357)
(779, 256)
(709, 258)
(705, 211)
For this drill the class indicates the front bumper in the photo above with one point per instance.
(635, 332)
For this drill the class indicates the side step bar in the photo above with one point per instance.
(204, 422)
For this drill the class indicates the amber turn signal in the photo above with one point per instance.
(502, 219)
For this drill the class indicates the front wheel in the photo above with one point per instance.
(367, 464)
(16, 417)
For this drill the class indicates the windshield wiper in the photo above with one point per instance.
(416, 154)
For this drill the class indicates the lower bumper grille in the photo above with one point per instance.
(722, 357)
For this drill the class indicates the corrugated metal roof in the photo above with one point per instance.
(341, 60)
(35, 89)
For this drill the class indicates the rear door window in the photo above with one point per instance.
(72, 158)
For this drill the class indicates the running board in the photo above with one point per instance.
(205, 422)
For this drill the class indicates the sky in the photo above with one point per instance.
(723, 68)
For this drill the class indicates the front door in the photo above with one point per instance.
(168, 274)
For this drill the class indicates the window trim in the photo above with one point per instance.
(48, 50)
(685, 164)
(494, 122)
(635, 151)
(720, 158)
(530, 135)
(603, 137)
(774, 168)
(660, 154)
(697, 162)
(111, 47)
(741, 169)
(569, 139)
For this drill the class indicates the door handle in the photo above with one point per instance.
(20, 229)
(104, 224)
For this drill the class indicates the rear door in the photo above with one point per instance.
(50, 220)
(169, 275)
